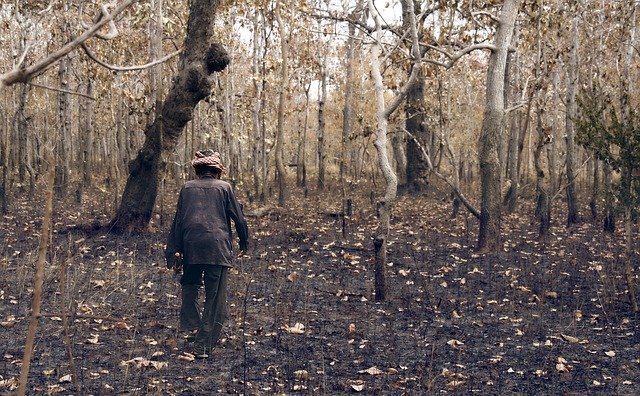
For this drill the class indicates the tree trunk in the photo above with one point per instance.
(257, 108)
(347, 109)
(489, 238)
(609, 223)
(543, 208)
(284, 72)
(321, 125)
(201, 58)
(595, 187)
(572, 81)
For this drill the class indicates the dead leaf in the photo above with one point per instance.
(53, 389)
(371, 371)
(352, 329)
(551, 294)
(122, 326)
(570, 339)
(357, 385)
(93, 339)
(65, 378)
(98, 283)
(9, 383)
(455, 384)
(186, 357)
(292, 277)
(610, 353)
(297, 328)
(301, 375)
(139, 362)
(455, 343)
(9, 323)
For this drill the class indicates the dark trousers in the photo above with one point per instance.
(209, 324)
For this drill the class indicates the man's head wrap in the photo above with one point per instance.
(208, 158)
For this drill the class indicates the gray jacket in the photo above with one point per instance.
(201, 228)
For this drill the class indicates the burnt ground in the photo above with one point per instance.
(541, 318)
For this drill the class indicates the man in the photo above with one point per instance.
(201, 238)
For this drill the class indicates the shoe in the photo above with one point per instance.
(200, 351)
(191, 336)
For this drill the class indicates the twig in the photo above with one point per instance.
(61, 90)
(36, 303)
(65, 324)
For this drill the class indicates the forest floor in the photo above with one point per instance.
(540, 318)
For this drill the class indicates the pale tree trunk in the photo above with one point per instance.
(85, 147)
(553, 146)
(20, 158)
(301, 169)
(281, 170)
(626, 182)
(64, 150)
(4, 157)
(156, 32)
(399, 156)
(36, 302)
(347, 109)
(415, 121)
(383, 112)
(609, 223)
(489, 238)
(321, 124)
(257, 107)
(512, 175)
(595, 187)
(572, 82)
(199, 60)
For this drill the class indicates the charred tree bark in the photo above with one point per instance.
(199, 60)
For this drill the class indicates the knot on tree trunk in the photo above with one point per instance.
(196, 82)
(217, 58)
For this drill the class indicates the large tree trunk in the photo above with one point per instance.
(490, 212)
(201, 58)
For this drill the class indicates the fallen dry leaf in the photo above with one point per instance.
(371, 371)
(297, 328)
(186, 357)
(301, 375)
(65, 378)
(570, 339)
(610, 353)
(454, 343)
(9, 323)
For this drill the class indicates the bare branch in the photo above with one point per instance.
(127, 68)
(24, 74)
(61, 90)
(453, 58)
(442, 177)
(113, 30)
(487, 14)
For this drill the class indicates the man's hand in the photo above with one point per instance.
(244, 245)
(175, 262)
